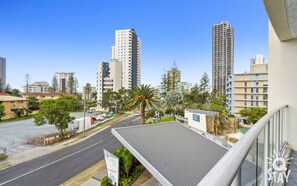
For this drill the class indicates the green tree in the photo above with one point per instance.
(18, 111)
(127, 160)
(87, 91)
(108, 100)
(2, 111)
(54, 87)
(164, 84)
(54, 112)
(173, 99)
(218, 103)
(75, 85)
(7, 89)
(16, 92)
(253, 114)
(143, 97)
(72, 103)
(204, 88)
(70, 84)
(94, 95)
(106, 181)
(33, 103)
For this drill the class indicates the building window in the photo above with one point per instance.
(245, 83)
(252, 97)
(245, 90)
(265, 90)
(245, 104)
(252, 90)
(244, 96)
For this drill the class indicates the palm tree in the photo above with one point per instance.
(143, 97)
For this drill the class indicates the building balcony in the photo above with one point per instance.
(257, 158)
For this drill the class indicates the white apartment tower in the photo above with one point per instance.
(109, 77)
(63, 81)
(222, 55)
(127, 50)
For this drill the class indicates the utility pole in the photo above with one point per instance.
(27, 79)
(84, 134)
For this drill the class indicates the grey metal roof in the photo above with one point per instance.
(206, 112)
(171, 152)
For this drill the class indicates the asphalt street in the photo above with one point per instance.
(57, 167)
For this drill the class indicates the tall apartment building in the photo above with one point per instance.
(2, 72)
(173, 78)
(108, 77)
(222, 55)
(37, 87)
(248, 89)
(127, 50)
(63, 81)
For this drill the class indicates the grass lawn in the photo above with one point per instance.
(163, 119)
(243, 130)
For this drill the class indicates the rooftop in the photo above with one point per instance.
(206, 112)
(181, 157)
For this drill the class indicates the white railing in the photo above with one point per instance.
(247, 161)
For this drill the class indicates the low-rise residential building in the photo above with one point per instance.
(37, 87)
(10, 102)
(248, 89)
(42, 96)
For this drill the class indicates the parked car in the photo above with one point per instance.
(100, 118)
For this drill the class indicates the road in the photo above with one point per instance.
(57, 167)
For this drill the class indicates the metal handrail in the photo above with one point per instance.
(224, 172)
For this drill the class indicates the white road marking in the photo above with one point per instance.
(50, 163)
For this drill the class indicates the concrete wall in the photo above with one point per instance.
(282, 68)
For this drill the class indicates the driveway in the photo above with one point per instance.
(13, 135)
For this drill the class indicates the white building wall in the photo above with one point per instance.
(115, 68)
(124, 51)
(282, 57)
(195, 124)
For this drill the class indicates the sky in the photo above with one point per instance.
(40, 38)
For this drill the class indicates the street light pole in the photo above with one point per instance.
(84, 135)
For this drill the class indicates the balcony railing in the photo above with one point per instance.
(250, 159)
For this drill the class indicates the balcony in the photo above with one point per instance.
(259, 158)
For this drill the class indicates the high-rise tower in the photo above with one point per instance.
(222, 55)
(127, 50)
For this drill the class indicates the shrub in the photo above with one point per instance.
(106, 181)
(169, 111)
(3, 157)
